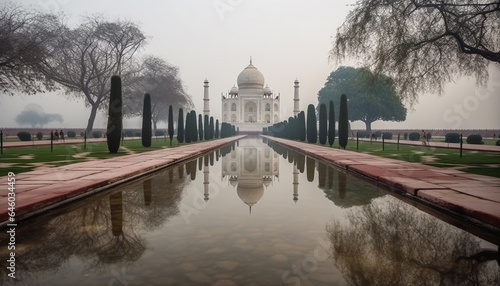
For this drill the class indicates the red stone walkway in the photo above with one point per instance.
(433, 144)
(471, 197)
(40, 190)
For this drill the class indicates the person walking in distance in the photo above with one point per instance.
(61, 134)
(423, 138)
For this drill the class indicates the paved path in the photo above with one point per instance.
(465, 146)
(471, 197)
(43, 189)
(11, 144)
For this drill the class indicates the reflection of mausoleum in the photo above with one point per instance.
(250, 167)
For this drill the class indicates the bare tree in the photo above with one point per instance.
(25, 38)
(163, 83)
(422, 44)
(84, 59)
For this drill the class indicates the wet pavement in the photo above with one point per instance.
(471, 197)
(47, 188)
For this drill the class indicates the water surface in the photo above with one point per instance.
(248, 214)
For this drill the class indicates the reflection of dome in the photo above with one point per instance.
(250, 77)
(233, 181)
(250, 191)
(267, 181)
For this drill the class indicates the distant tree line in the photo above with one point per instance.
(298, 128)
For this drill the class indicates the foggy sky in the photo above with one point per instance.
(214, 40)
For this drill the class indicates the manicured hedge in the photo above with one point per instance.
(475, 139)
(452, 138)
(24, 136)
(96, 134)
(71, 134)
(414, 136)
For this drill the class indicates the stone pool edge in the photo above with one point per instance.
(41, 190)
(473, 198)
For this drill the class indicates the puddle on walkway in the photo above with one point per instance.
(247, 215)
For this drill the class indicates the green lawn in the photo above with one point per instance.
(24, 159)
(484, 163)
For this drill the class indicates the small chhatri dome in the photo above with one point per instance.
(250, 77)
(267, 90)
(234, 90)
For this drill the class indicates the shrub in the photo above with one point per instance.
(129, 133)
(414, 136)
(452, 138)
(387, 135)
(159, 133)
(71, 134)
(363, 134)
(138, 134)
(24, 136)
(405, 136)
(475, 139)
(39, 135)
(96, 134)
(378, 134)
(498, 143)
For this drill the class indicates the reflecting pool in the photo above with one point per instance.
(251, 213)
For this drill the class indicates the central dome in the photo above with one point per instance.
(250, 77)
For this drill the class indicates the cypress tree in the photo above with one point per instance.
(331, 124)
(302, 126)
(180, 126)
(217, 129)
(115, 116)
(201, 133)
(211, 127)
(206, 125)
(343, 122)
(147, 132)
(188, 128)
(322, 124)
(312, 131)
(170, 124)
(194, 127)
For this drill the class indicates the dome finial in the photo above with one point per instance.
(250, 59)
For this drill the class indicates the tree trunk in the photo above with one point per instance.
(368, 127)
(90, 123)
(154, 126)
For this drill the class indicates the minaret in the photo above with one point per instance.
(206, 182)
(206, 100)
(295, 183)
(296, 109)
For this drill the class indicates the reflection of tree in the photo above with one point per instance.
(101, 231)
(310, 164)
(191, 169)
(348, 191)
(388, 243)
